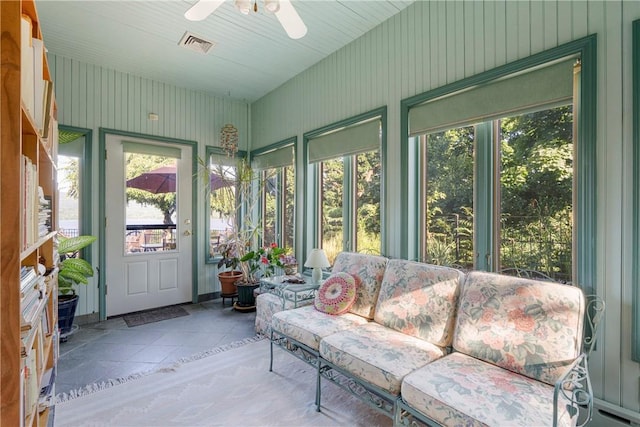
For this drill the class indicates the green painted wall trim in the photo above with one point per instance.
(311, 197)
(484, 197)
(288, 142)
(103, 132)
(635, 275)
(86, 226)
(291, 141)
(583, 48)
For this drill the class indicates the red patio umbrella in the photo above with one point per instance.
(163, 180)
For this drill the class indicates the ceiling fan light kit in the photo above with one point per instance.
(282, 9)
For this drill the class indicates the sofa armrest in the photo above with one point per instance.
(575, 387)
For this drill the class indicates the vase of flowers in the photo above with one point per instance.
(290, 264)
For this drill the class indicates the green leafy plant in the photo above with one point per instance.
(73, 269)
(262, 261)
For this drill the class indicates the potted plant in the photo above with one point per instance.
(238, 194)
(73, 271)
(228, 272)
(255, 264)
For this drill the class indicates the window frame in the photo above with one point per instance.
(281, 198)
(86, 210)
(585, 175)
(209, 151)
(311, 179)
(635, 273)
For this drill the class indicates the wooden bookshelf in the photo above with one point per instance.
(27, 349)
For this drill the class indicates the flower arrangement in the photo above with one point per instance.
(263, 260)
(290, 264)
(288, 260)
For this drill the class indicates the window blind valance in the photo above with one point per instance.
(277, 158)
(546, 86)
(224, 160)
(154, 150)
(354, 139)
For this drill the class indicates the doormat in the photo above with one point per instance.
(154, 315)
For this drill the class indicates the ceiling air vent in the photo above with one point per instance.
(195, 43)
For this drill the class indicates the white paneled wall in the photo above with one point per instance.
(93, 97)
(432, 43)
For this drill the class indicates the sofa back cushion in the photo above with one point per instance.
(530, 327)
(420, 300)
(368, 271)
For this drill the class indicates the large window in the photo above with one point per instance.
(530, 183)
(275, 164)
(448, 212)
(74, 178)
(500, 168)
(221, 207)
(346, 166)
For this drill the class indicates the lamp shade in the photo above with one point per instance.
(317, 259)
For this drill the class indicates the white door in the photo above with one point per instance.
(148, 244)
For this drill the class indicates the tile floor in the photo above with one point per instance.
(111, 349)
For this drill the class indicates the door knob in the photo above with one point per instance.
(187, 233)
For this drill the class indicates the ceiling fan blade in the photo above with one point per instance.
(290, 20)
(202, 9)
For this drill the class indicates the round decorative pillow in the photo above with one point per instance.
(337, 294)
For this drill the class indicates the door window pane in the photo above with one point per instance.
(448, 157)
(536, 188)
(150, 212)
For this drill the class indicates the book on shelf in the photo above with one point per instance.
(27, 338)
(44, 213)
(26, 64)
(48, 102)
(47, 389)
(30, 204)
(38, 84)
(31, 386)
(28, 279)
(32, 306)
(45, 321)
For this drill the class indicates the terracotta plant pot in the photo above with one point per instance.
(227, 281)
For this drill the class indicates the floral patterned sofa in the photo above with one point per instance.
(367, 269)
(404, 322)
(517, 358)
(306, 326)
(446, 348)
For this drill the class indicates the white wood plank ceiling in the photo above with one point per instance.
(252, 56)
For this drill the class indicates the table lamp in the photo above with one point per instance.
(317, 260)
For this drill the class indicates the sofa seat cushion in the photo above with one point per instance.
(463, 391)
(267, 305)
(308, 325)
(378, 355)
(530, 327)
(419, 299)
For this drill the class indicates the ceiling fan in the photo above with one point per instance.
(283, 9)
